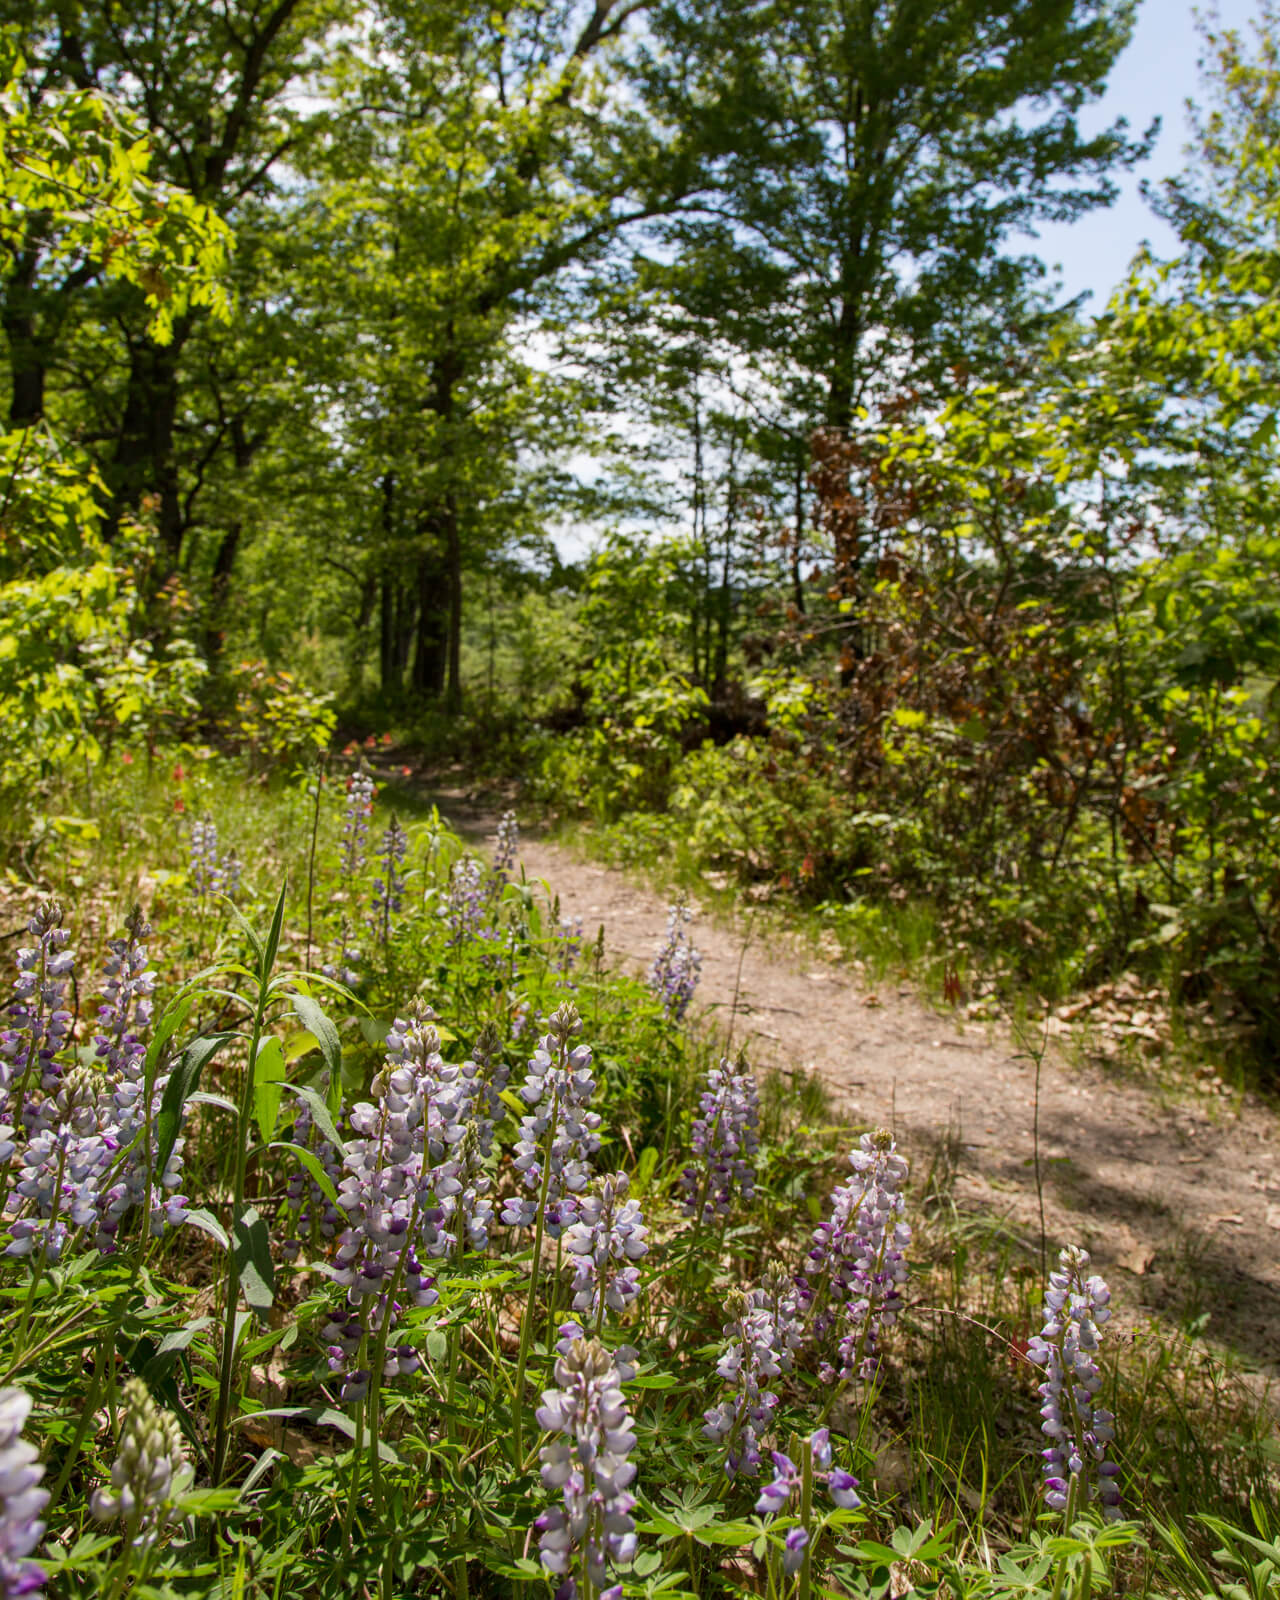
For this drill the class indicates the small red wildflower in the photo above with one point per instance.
(406, 772)
(371, 741)
(179, 773)
(387, 739)
(179, 804)
(349, 749)
(126, 759)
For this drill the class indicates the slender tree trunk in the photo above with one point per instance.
(215, 634)
(386, 632)
(453, 559)
(797, 538)
(144, 464)
(430, 661)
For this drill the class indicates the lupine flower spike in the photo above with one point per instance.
(677, 966)
(763, 1333)
(388, 886)
(593, 1527)
(725, 1138)
(1077, 1467)
(857, 1264)
(38, 1023)
(507, 846)
(606, 1241)
(21, 1500)
(465, 905)
(345, 969)
(212, 872)
(559, 1136)
(150, 1471)
(787, 1493)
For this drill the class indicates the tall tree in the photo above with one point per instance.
(878, 156)
(215, 90)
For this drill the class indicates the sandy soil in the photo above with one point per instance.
(1178, 1200)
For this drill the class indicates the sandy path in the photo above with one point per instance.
(1179, 1202)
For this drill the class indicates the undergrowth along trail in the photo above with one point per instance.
(1179, 1197)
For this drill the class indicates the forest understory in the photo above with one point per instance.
(639, 805)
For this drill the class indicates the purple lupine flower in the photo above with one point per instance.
(129, 1129)
(150, 1471)
(354, 835)
(507, 846)
(60, 1171)
(559, 1137)
(231, 868)
(853, 1287)
(308, 1207)
(126, 1008)
(626, 1357)
(388, 886)
(21, 1500)
(566, 946)
(414, 1186)
(453, 1204)
(763, 1332)
(606, 1240)
(787, 1485)
(38, 1023)
(465, 907)
(212, 871)
(673, 977)
(593, 1527)
(379, 1197)
(355, 823)
(776, 1496)
(725, 1137)
(206, 865)
(1077, 1467)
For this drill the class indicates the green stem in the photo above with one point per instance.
(526, 1326)
(228, 1362)
(806, 1512)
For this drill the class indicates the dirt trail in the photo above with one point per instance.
(1179, 1202)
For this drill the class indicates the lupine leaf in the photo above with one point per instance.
(315, 1020)
(182, 1084)
(319, 1111)
(198, 1217)
(253, 1257)
(311, 1161)
(268, 1083)
(320, 1417)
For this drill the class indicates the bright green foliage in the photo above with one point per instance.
(74, 678)
(78, 194)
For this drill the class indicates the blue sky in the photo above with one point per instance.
(1154, 77)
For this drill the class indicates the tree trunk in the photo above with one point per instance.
(431, 658)
(215, 635)
(144, 464)
(453, 559)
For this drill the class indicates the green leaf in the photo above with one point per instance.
(273, 933)
(268, 1080)
(198, 1217)
(319, 1112)
(513, 1102)
(172, 1018)
(203, 1098)
(177, 1339)
(182, 1084)
(314, 1019)
(319, 1417)
(311, 1161)
(253, 1259)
